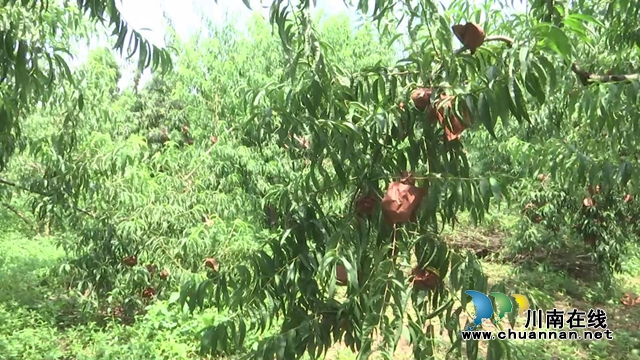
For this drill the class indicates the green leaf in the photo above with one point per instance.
(534, 88)
(524, 63)
(547, 72)
(496, 188)
(586, 18)
(485, 115)
(560, 39)
(625, 172)
(352, 274)
(493, 72)
(515, 90)
(440, 309)
(472, 349)
(80, 102)
(485, 192)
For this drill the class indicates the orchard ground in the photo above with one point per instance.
(40, 320)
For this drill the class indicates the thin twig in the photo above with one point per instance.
(505, 39)
(37, 192)
(386, 288)
(18, 186)
(20, 215)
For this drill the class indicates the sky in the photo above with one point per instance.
(186, 16)
(146, 16)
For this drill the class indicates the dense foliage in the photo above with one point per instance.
(265, 169)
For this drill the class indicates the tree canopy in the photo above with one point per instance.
(313, 169)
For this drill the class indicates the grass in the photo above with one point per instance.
(31, 314)
(33, 308)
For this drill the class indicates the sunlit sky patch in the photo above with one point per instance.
(147, 16)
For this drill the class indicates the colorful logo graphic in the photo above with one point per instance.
(484, 308)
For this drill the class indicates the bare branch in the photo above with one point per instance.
(587, 78)
(505, 39)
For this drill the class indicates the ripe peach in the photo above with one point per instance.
(130, 260)
(588, 202)
(164, 274)
(211, 263)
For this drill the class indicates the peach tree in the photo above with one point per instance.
(571, 162)
(385, 166)
(386, 141)
(37, 37)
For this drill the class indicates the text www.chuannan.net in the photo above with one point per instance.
(510, 334)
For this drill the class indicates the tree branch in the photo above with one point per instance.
(20, 215)
(12, 184)
(587, 78)
(505, 39)
(17, 186)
